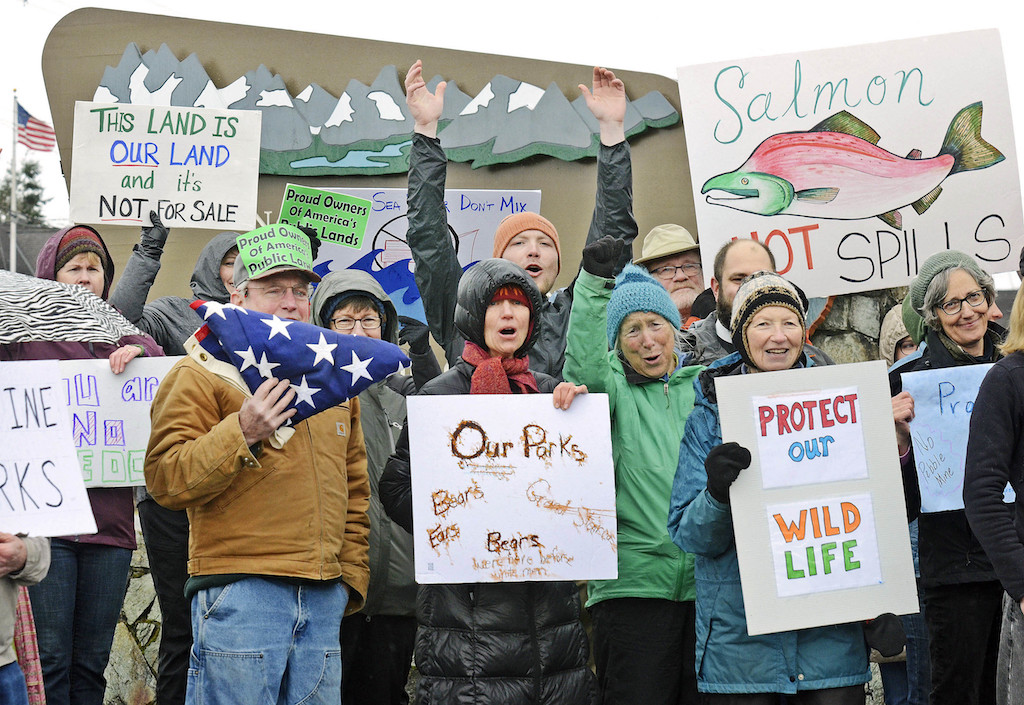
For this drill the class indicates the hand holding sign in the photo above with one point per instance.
(724, 464)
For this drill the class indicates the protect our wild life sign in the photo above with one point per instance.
(819, 516)
(196, 167)
(943, 403)
(109, 416)
(855, 164)
(512, 489)
(41, 488)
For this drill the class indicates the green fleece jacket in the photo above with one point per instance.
(647, 425)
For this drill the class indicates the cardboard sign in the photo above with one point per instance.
(943, 403)
(338, 218)
(512, 489)
(820, 538)
(273, 246)
(109, 416)
(196, 167)
(854, 165)
(41, 489)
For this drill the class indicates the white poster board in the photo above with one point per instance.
(473, 216)
(41, 489)
(819, 516)
(943, 404)
(109, 416)
(509, 489)
(763, 166)
(197, 167)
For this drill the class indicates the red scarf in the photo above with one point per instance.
(496, 375)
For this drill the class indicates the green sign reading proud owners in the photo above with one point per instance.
(337, 217)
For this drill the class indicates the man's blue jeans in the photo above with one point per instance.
(261, 641)
(12, 685)
(76, 608)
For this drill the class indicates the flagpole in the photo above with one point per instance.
(14, 185)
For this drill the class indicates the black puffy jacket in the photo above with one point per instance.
(508, 643)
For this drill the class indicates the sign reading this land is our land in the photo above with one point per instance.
(854, 165)
(196, 167)
(819, 516)
(512, 491)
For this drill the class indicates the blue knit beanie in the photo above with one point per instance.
(636, 290)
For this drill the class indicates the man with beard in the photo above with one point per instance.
(709, 339)
(672, 256)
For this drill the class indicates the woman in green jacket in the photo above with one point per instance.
(644, 619)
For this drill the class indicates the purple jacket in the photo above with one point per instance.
(113, 508)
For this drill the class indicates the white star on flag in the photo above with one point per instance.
(266, 368)
(277, 326)
(214, 308)
(304, 393)
(358, 368)
(248, 358)
(323, 350)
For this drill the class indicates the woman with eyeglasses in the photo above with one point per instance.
(962, 596)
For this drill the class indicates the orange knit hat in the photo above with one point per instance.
(512, 225)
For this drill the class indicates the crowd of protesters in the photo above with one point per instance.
(281, 546)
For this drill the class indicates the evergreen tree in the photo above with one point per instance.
(30, 195)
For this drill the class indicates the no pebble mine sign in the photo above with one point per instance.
(819, 516)
(337, 217)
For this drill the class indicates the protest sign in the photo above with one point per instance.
(473, 216)
(41, 489)
(854, 165)
(338, 218)
(278, 245)
(821, 537)
(196, 167)
(109, 416)
(513, 489)
(943, 402)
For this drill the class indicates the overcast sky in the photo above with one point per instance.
(657, 37)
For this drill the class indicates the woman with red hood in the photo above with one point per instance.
(77, 605)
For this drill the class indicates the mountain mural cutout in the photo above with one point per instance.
(367, 130)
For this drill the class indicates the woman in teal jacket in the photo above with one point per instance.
(824, 665)
(643, 620)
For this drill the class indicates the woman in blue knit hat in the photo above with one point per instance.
(643, 621)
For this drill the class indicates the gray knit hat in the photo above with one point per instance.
(937, 263)
(758, 291)
(636, 290)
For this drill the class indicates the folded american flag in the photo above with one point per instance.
(324, 367)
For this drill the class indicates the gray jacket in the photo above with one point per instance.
(392, 588)
(169, 320)
(438, 270)
(703, 342)
(37, 563)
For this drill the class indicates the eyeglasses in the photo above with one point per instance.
(368, 323)
(276, 293)
(953, 306)
(667, 272)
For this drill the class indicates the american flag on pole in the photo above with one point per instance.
(33, 133)
(325, 368)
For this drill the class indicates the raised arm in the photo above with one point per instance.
(137, 279)
(613, 205)
(437, 268)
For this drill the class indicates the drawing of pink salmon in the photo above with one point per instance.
(837, 171)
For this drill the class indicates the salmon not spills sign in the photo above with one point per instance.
(819, 517)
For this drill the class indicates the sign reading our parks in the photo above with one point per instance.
(819, 516)
(196, 167)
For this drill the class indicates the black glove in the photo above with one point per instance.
(602, 257)
(154, 236)
(723, 466)
(414, 333)
(314, 239)
(885, 634)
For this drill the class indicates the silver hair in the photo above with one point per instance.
(938, 287)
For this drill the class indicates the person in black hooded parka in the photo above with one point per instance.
(507, 643)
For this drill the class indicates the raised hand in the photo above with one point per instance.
(607, 101)
(424, 106)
